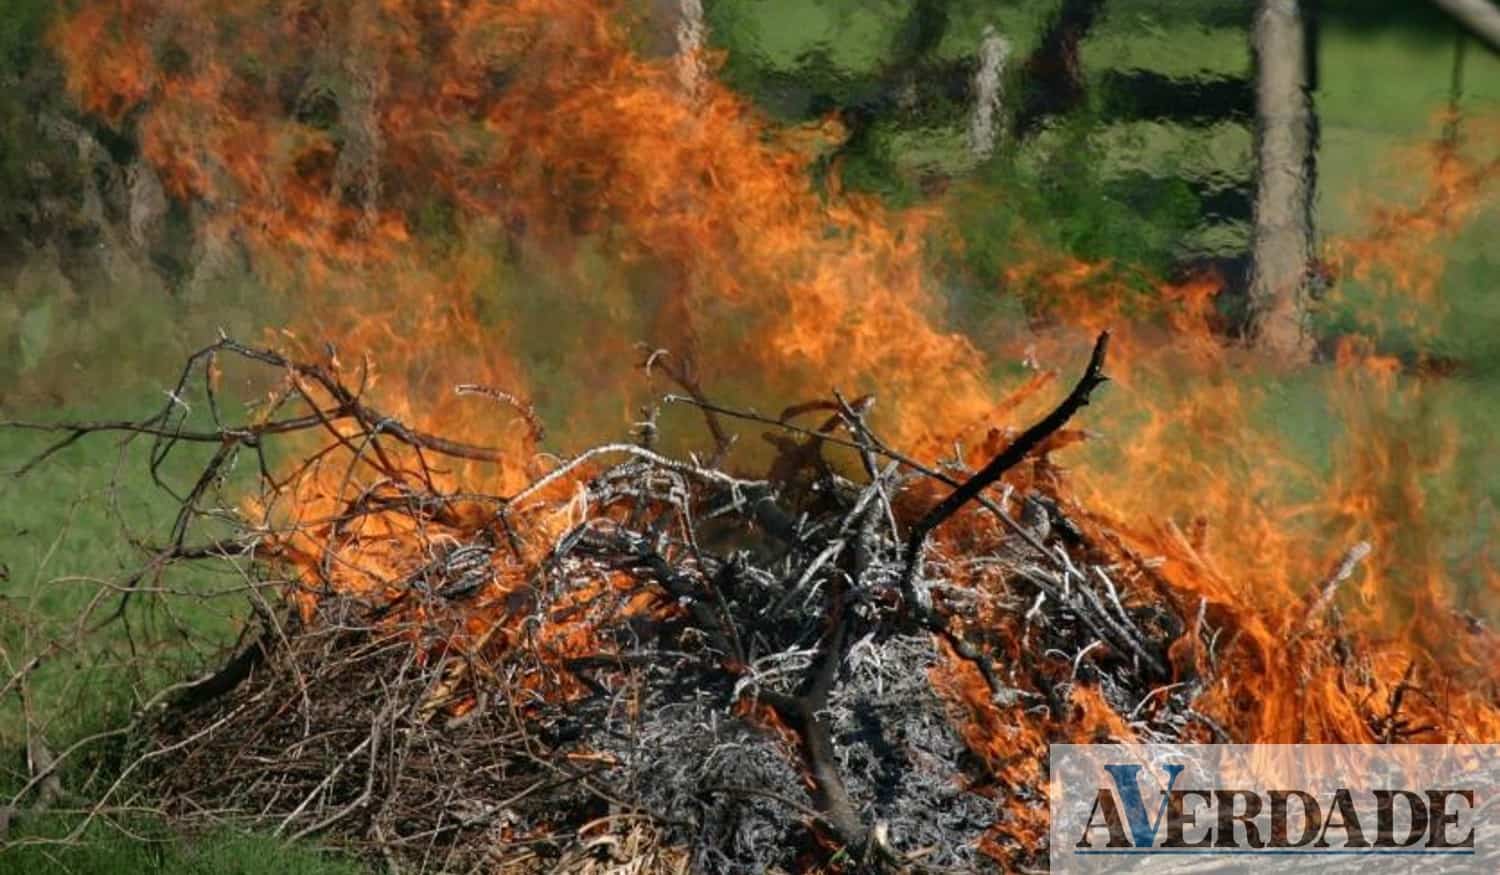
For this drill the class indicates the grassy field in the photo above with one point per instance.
(98, 353)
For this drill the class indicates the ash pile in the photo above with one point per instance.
(641, 663)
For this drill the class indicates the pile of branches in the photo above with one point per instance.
(697, 670)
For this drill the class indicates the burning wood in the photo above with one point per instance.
(854, 663)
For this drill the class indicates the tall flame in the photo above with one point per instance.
(535, 129)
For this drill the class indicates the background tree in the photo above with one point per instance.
(1480, 17)
(1283, 233)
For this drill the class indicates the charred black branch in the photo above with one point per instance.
(916, 599)
(1012, 455)
(231, 675)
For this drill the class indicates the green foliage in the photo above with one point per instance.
(1063, 191)
(1413, 22)
(872, 164)
(1058, 197)
(784, 35)
(23, 24)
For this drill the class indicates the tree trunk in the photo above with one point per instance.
(1480, 17)
(1282, 237)
(1054, 69)
(989, 82)
(692, 38)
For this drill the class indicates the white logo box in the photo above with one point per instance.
(1286, 808)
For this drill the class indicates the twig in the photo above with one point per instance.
(1398, 695)
(1330, 587)
(526, 410)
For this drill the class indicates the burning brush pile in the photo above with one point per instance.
(853, 661)
(663, 658)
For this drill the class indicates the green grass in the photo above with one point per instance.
(80, 518)
(152, 849)
(67, 526)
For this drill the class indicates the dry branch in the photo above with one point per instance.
(693, 637)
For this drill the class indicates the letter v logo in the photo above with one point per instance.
(1142, 828)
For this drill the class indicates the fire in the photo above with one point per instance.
(532, 127)
(1399, 252)
(1238, 523)
(573, 179)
